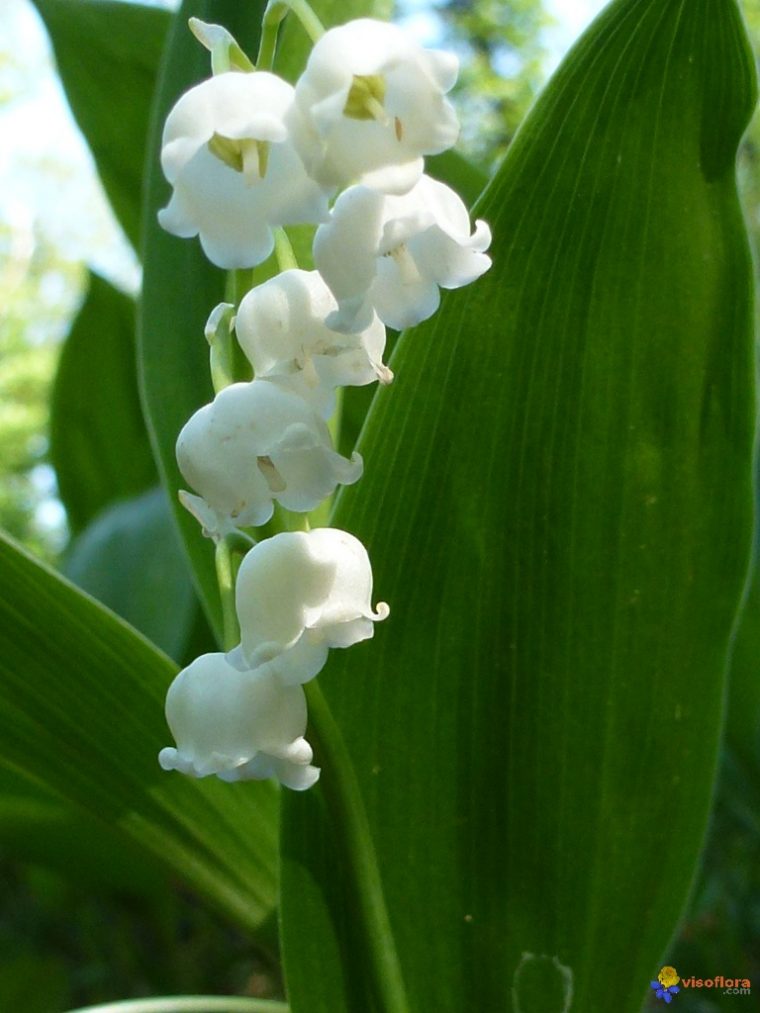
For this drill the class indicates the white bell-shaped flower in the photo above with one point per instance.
(390, 254)
(280, 326)
(301, 591)
(239, 725)
(256, 443)
(370, 104)
(227, 152)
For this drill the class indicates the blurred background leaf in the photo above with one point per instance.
(558, 508)
(98, 442)
(130, 559)
(108, 55)
(125, 552)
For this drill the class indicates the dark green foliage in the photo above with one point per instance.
(559, 511)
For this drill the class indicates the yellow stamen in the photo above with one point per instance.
(245, 155)
(366, 97)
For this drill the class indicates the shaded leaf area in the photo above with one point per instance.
(81, 713)
(64, 945)
(131, 560)
(743, 714)
(723, 920)
(87, 916)
(36, 826)
(108, 55)
(558, 506)
(98, 443)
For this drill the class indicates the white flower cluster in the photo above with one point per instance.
(247, 154)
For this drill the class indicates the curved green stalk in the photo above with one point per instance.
(308, 18)
(270, 27)
(189, 1004)
(346, 806)
(274, 15)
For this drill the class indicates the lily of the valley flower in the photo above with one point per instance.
(299, 593)
(280, 327)
(228, 154)
(371, 104)
(256, 443)
(390, 254)
(238, 725)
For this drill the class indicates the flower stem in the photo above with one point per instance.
(270, 27)
(238, 283)
(225, 575)
(274, 14)
(308, 18)
(346, 807)
(235, 363)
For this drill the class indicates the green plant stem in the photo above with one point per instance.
(274, 14)
(225, 575)
(346, 807)
(308, 18)
(239, 282)
(189, 1004)
(270, 27)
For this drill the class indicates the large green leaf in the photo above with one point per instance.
(81, 711)
(98, 443)
(108, 54)
(557, 502)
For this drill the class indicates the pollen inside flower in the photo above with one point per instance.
(366, 97)
(244, 155)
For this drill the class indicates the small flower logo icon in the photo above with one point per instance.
(666, 985)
